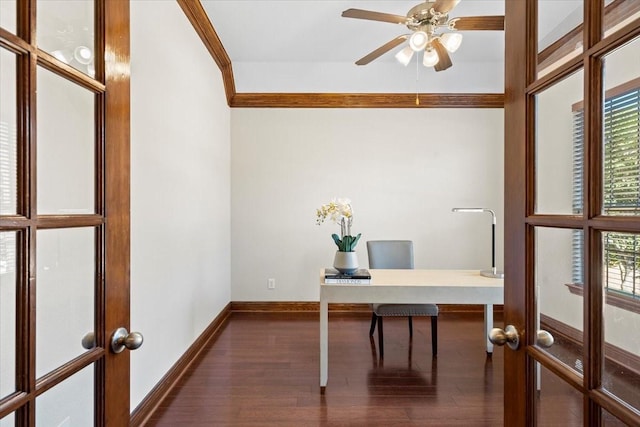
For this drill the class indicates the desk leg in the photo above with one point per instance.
(488, 325)
(324, 344)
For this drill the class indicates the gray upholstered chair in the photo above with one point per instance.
(398, 254)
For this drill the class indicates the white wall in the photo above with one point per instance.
(403, 170)
(180, 183)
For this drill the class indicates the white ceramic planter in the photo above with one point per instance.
(346, 262)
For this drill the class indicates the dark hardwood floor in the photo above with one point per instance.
(263, 370)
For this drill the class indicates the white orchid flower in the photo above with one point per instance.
(339, 211)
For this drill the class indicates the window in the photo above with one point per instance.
(8, 192)
(621, 188)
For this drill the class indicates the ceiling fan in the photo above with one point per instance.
(426, 21)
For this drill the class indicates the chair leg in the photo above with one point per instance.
(380, 337)
(410, 327)
(374, 318)
(434, 335)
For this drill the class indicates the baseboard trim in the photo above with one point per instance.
(152, 401)
(312, 306)
(143, 412)
(617, 355)
(293, 307)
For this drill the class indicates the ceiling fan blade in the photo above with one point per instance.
(444, 6)
(374, 16)
(478, 23)
(381, 50)
(445, 60)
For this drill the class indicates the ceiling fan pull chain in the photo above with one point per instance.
(417, 70)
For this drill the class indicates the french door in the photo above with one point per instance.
(64, 212)
(572, 203)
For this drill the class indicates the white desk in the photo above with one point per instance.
(410, 286)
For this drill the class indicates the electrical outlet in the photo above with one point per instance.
(271, 283)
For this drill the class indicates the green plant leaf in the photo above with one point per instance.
(339, 242)
(347, 243)
(355, 241)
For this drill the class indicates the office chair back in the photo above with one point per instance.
(398, 254)
(390, 254)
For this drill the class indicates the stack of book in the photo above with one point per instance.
(360, 277)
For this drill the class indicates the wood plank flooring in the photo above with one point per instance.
(263, 370)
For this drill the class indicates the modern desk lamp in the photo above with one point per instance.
(493, 273)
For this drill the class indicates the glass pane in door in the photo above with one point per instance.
(8, 421)
(8, 15)
(559, 33)
(66, 146)
(558, 281)
(609, 420)
(8, 286)
(559, 147)
(8, 134)
(65, 30)
(618, 13)
(65, 295)
(621, 131)
(621, 282)
(557, 403)
(69, 403)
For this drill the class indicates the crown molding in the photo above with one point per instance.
(196, 14)
(367, 100)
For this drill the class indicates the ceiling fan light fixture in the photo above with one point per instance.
(404, 56)
(451, 41)
(426, 21)
(83, 55)
(418, 41)
(430, 58)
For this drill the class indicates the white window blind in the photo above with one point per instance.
(577, 199)
(621, 189)
(8, 194)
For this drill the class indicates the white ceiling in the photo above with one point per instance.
(306, 46)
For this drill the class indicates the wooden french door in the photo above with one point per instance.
(64, 211)
(572, 198)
